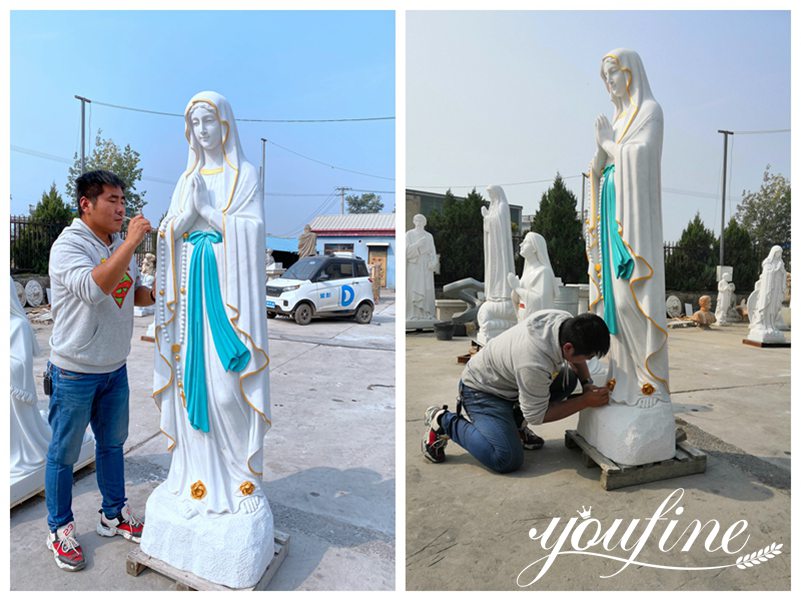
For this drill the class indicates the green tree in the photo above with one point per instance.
(368, 202)
(123, 163)
(30, 251)
(558, 222)
(766, 213)
(458, 229)
(738, 249)
(691, 265)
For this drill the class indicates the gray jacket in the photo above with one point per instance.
(91, 330)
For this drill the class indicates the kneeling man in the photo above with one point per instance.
(524, 376)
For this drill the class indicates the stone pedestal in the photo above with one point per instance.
(630, 435)
(232, 549)
(446, 308)
(495, 317)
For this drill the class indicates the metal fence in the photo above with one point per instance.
(30, 243)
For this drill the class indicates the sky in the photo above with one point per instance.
(270, 65)
(508, 97)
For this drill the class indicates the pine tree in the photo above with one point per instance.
(31, 249)
(558, 222)
(458, 231)
(691, 265)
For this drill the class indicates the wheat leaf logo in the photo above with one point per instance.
(758, 557)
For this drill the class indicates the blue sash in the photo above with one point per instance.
(204, 284)
(621, 261)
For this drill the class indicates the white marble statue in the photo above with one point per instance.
(29, 431)
(30, 434)
(724, 307)
(421, 263)
(496, 314)
(211, 515)
(627, 276)
(765, 302)
(536, 288)
(148, 277)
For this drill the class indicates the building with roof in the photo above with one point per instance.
(370, 236)
(425, 203)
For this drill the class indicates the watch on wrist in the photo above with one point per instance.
(587, 381)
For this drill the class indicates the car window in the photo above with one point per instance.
(346, 268)
(361, 269)
(303, 269)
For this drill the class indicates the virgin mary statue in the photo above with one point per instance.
(211, 515)
(627, 271)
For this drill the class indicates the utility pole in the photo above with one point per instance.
(83, 131)
(263, 168)
(726, 135)
(342, 190)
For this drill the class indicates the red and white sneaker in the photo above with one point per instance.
(66, 549)
(434, 438)
(126, 524)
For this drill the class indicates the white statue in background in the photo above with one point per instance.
(536, 288)
(148, 278)
(765, 302)
(421, 263)
(496, 313)
(725, 303)
(211, 515)
(30, 434)
(627, 275)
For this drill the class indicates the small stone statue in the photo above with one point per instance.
(536, 288)
(765, 301)
(148, 277)
(496, 314)
(704, 317)
(421, 263)
(307, 243)
(269, 260)
(725, 303)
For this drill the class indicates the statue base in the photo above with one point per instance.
(230, 549)
(763, 336)
(33, 483)
(494, 318)
(630, 435)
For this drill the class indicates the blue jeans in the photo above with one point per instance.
(78, 400)
(491, 435)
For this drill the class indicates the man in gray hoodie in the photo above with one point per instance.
(95, 284)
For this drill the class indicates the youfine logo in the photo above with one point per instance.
(623, 542)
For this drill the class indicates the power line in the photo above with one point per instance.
(308, 158)
(338, 120)
(762, 131)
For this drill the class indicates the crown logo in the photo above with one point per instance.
(585, 512)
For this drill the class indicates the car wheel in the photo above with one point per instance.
(364, 313)
(271, 314)
(303, 314)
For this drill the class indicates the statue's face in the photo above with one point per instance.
(419, 220)
(206, 127)
(615, 78)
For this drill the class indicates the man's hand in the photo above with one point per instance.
(138, 228)
(596, 397)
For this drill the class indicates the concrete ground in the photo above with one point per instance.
(468, 528)
(328, 464)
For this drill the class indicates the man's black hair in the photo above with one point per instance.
(90, 184)
(587, 333)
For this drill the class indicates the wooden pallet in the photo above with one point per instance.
(688, 460)
(137, 561)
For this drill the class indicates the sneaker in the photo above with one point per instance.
(66, 549)
(531, 442)
(126, 524)
(434, 439)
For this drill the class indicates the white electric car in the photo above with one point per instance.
(320, 286)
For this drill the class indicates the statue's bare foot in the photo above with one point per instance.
(188, 509)
(251, 504)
